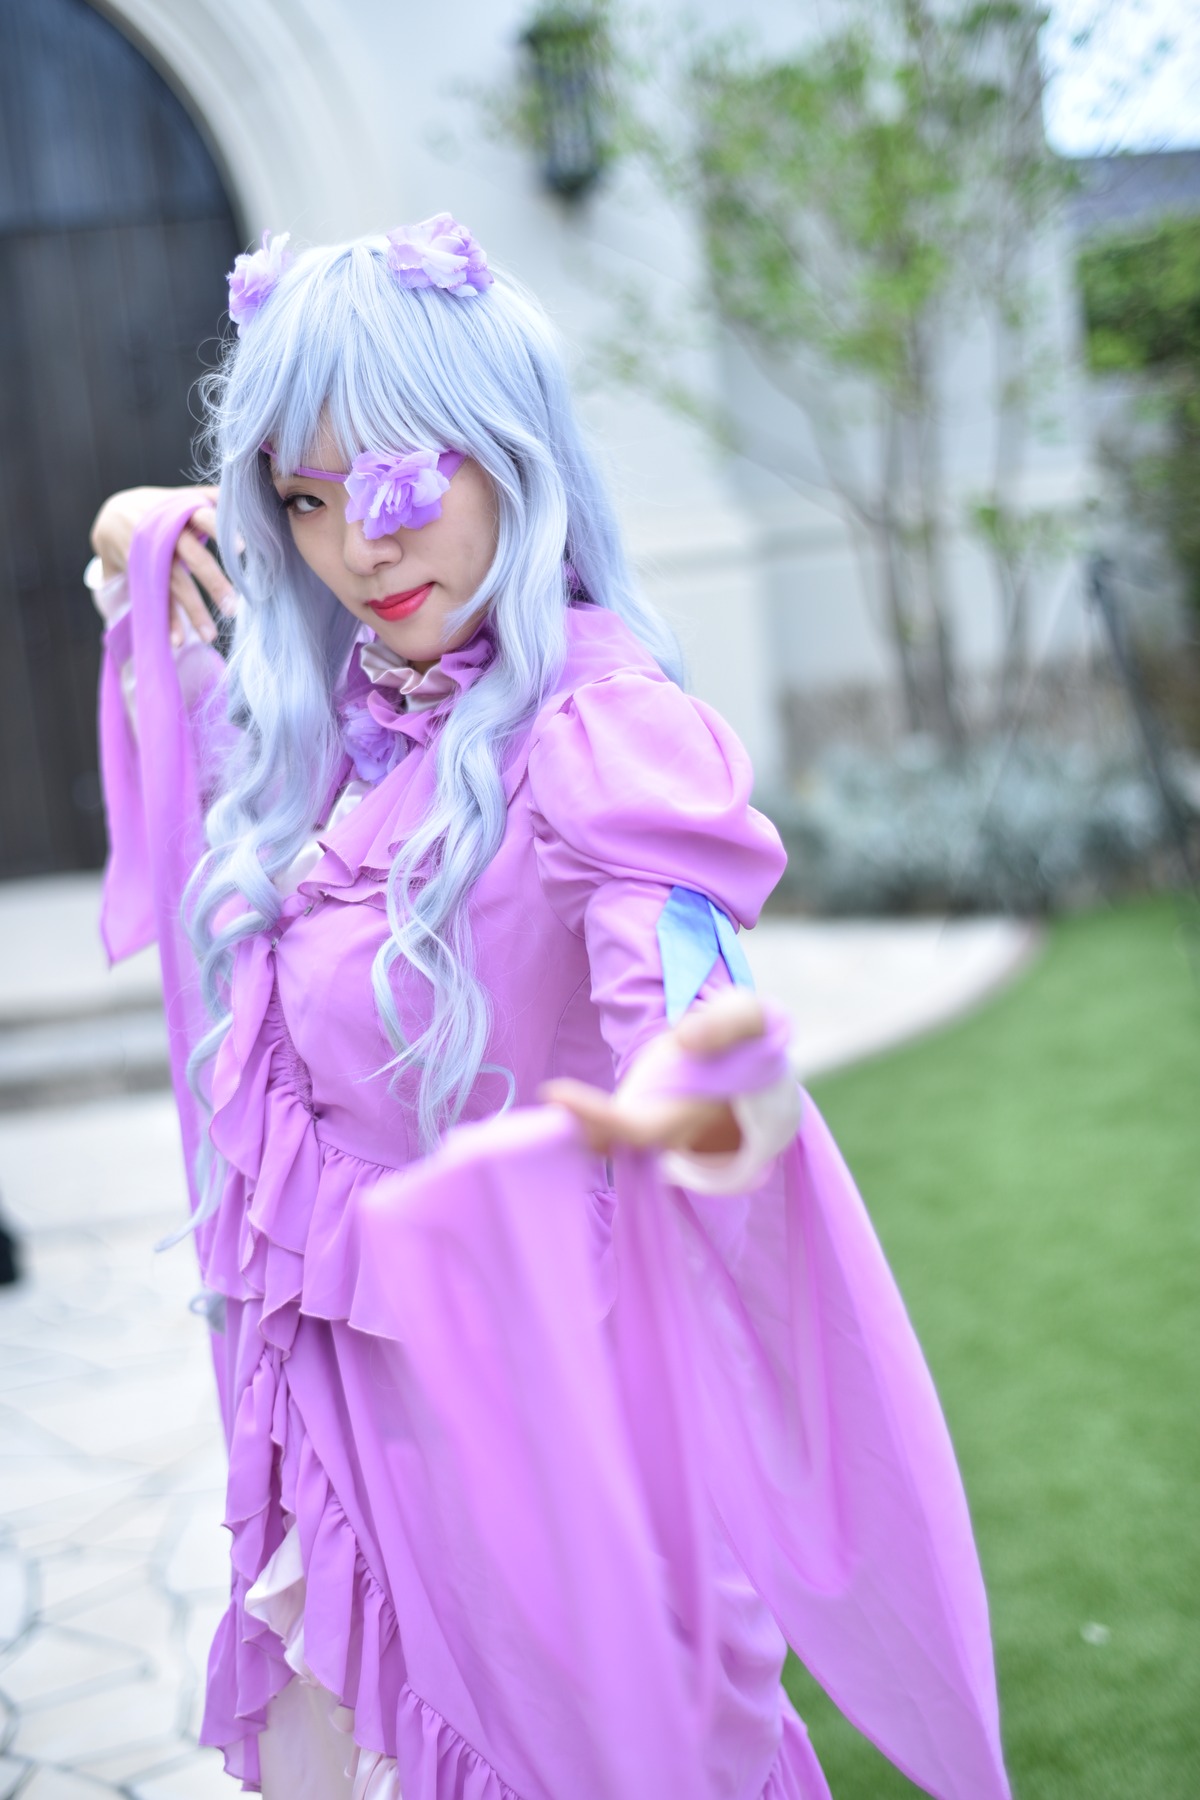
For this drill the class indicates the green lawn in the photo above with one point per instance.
(1034, 1173)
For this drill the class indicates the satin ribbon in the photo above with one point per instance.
(384, 669)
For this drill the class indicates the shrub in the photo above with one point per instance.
(1025, 828)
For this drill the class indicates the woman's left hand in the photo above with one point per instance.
(194, 568)
(635, 1117)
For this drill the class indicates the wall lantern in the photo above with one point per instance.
(567, 103)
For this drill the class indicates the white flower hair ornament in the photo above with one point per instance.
(255, 276)
(440, 253)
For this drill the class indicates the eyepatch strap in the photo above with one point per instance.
(449, 463)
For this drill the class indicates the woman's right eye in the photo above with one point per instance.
(302, 504)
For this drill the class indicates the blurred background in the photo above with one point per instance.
(885, 317)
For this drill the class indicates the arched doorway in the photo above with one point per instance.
(115, 235)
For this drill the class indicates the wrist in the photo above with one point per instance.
(102, 543)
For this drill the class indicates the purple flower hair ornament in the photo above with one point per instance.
(255, 276)
(387, 491)
(441, 253)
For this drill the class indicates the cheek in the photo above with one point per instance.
(475, 520)
(318, 547)
(481, 542)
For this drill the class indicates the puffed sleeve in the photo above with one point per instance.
(640, 798)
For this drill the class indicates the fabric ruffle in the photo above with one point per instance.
(283, 1186)
(336, 1624)
(278, 1599)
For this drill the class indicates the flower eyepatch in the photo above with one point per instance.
(387, 491)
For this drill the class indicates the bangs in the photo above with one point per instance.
(345, 361)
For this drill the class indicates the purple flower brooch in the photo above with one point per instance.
(437, 253)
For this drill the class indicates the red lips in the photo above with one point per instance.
(401, 606)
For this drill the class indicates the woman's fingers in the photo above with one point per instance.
(113, 531)
(121, 514)
(634, 1122)
(187, 608)
(589, 1105)
(200, 562)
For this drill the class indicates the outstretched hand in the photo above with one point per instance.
(635, 1117)
(194, 569)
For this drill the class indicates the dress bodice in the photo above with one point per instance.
(621, 788)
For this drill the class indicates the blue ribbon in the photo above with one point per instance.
(693, 936)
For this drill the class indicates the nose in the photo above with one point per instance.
(366, 556)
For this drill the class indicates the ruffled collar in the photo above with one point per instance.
(386, 704)
(359, 848)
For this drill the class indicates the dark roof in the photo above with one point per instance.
(1128, 189)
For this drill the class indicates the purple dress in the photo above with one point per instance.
(566, 1458)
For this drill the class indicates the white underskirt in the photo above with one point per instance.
(307, 1751)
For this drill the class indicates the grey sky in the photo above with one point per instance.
(1122, 75)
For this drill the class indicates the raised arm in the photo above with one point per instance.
(163, 733)
(195, 569)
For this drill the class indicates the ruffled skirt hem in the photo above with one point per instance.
(443, 1767)
(441, 1764)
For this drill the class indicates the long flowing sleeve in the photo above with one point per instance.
(199, 666)
(155, 780)
(800, 1400)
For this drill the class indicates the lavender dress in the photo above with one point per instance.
(561, 1461)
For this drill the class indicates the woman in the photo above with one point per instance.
(526, 1467)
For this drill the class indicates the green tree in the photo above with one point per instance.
(1141, 295)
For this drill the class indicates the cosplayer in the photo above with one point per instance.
(563, 1377)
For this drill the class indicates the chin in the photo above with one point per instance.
(413, 646)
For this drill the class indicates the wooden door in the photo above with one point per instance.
(115, 235)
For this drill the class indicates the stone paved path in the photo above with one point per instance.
(112, 1564)
(112, 1560)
